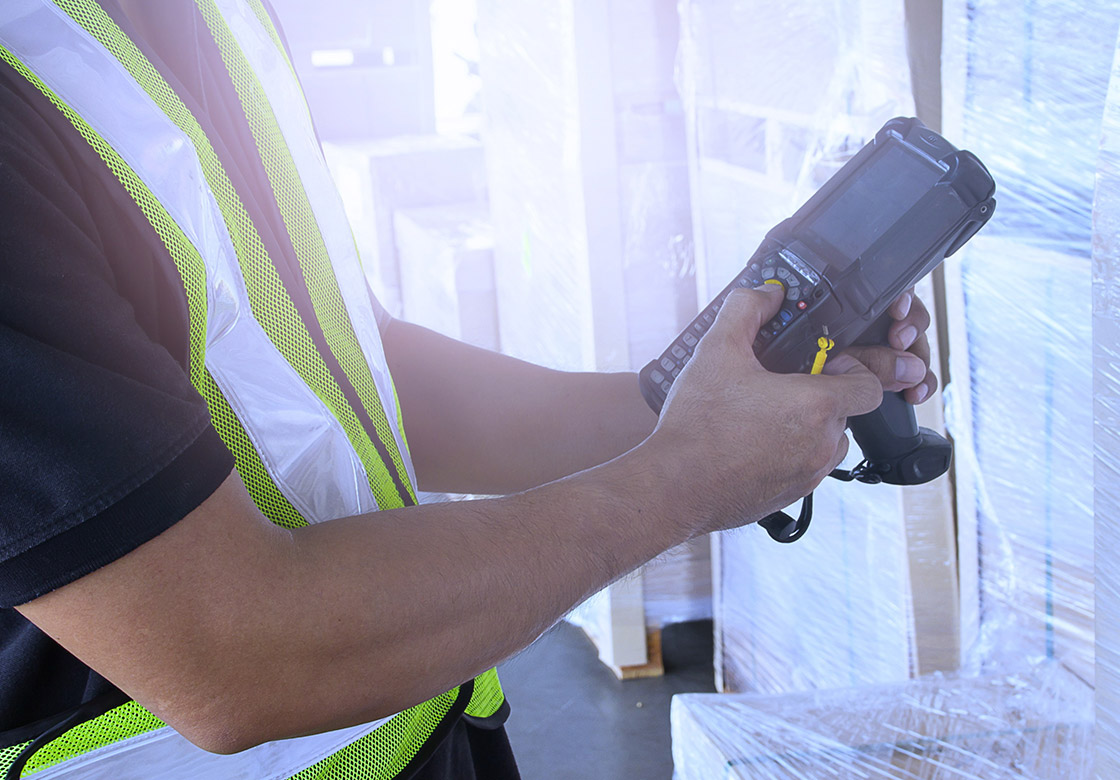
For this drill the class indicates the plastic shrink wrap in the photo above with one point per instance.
(778, 97)
(1106, 431)
(1034, 725)
(447, 270)
(378, 177)
(585, 143)
(588, 184)
(1024, 87)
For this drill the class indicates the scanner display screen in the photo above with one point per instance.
(883, 191)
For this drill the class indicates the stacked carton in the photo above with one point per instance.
(1026, 92)
(777, 98)
(1024, 88)
(1106, 431)
(1037, 725)
(447, 271)
(585, 143)
(376, 178)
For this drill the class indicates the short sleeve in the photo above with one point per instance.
(104, 442)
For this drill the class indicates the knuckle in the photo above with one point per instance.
(823, 408)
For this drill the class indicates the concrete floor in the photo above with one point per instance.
(573, 719)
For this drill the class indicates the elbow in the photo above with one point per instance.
(223, 723)
(221, 740)
(223, 735)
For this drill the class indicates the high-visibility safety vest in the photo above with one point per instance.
(316, 434)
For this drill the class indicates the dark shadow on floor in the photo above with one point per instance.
(573, 720)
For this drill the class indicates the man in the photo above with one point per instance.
(179, 296)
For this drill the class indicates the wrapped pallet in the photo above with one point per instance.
(585, 145)
(588, 185)
(447, 270)
(1025, 87)
(378, 177)
(1106, 431)
(778, 97)
(1036, 724)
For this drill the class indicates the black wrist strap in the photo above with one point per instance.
(783, 528)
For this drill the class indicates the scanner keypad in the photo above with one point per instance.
(798, 283)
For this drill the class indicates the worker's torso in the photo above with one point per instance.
(194, 123)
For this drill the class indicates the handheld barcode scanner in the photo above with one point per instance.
(900, 206)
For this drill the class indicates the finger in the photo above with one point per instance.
(901, 306)
(895, 369)
(857, 390)
(921, 349)
(744, 312)
(910, 326)
(923, 391)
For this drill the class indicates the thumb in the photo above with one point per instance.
(745, 311)
(859, 390)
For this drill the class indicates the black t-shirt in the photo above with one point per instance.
(104, 443)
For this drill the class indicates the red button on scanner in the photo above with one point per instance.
(802, 305)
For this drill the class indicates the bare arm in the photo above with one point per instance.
(237, 632)
(481, 422)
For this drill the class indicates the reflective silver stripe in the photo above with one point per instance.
(165, 754)
(290, 110)
(302, 445)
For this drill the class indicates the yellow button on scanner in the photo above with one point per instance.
(775, 281)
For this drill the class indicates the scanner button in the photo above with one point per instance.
(767, 273)
(668, 364)
(783, 273)
(793, 281)
(689, 340)
(785, 315)
(665, 386)
(792, 294)
(676, 372)
(679, 352)
(802, 305)
(656, 377)
(708, 318)
(754, 267)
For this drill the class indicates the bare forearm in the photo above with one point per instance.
(480, 422)
(452, 590)
(293, 632)
(236, 631)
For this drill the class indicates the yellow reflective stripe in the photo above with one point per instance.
(196, 291)
(9, 755)
(386, 750)
(303, 231)
(269, 301)
(266, 22)
(127, 720)
(258, 482)
(191, 270)
(400, 418)
(384, 753)
(487, 697)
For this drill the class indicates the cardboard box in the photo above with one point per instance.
(447, 271)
